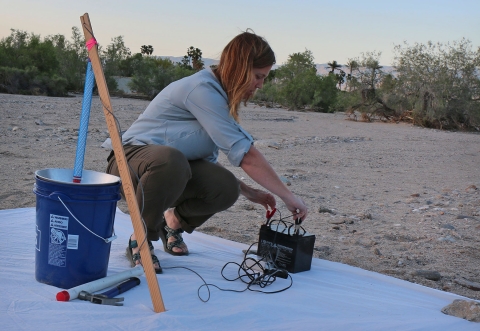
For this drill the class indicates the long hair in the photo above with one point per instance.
(243, 53)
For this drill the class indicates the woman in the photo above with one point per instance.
(173, 148)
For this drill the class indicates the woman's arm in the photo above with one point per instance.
(266, 199)
(258, 168)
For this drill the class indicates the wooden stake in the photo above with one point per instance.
(127, 185)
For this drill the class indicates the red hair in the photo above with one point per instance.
(243, 53)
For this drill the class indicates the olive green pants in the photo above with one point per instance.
(164, 178)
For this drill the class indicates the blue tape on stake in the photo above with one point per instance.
(82, 131)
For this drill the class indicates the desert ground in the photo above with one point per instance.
(392, 198)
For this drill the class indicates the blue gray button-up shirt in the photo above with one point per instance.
(191, 115)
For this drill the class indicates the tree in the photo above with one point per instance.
(72, 56)
(151, 75)
(147, 50)
(115, 52)
(333, 66)
(297, 80)
(297, 85)
(29, 65)
(351, 65)
(340, 77)
(193, 59)
(129, 66)
(367, 75)
(439, 83)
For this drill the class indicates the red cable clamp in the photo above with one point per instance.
(270, 213)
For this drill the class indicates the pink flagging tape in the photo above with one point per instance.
(92, 42)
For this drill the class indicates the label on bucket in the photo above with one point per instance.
(57, 248)
(72, 242)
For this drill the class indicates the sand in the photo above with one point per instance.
(387, 197)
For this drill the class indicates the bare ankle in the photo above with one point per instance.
(171, 219)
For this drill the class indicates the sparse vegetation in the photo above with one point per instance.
(433, 85)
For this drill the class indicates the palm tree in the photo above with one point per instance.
(375, 69)
(148, 50)
(340, 78)
(333, 66)
(351, 65)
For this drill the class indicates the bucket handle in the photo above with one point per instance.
(107, 240)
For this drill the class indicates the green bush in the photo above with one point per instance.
(153, 74)
(30, 65)
(326, 94)
(296, 85)
(14, 80)
(31, 81)
(440, 84)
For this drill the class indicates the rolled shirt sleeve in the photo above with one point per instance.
(210, 108)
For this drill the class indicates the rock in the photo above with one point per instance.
(325, 250)
(274, 145)
(427, 274)
(376, 251)
(249, 207)
(366, 214)
(15, 128)
(325, 210)
(447, 226)
(469, 310)
(466, 283)
(336, 220)
(421, 209)
(459, 217)
(351, 219)
(39, 122)
(415, 195)
(447, 239)
(471, 189)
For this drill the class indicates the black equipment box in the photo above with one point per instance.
(288, 249)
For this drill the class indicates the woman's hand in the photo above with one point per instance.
(267, 200)
(297, 206)
(257, 167)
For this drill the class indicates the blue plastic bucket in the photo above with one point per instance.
(74, 226)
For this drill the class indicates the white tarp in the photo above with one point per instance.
(331, 296)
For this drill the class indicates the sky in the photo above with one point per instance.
(331, 30)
